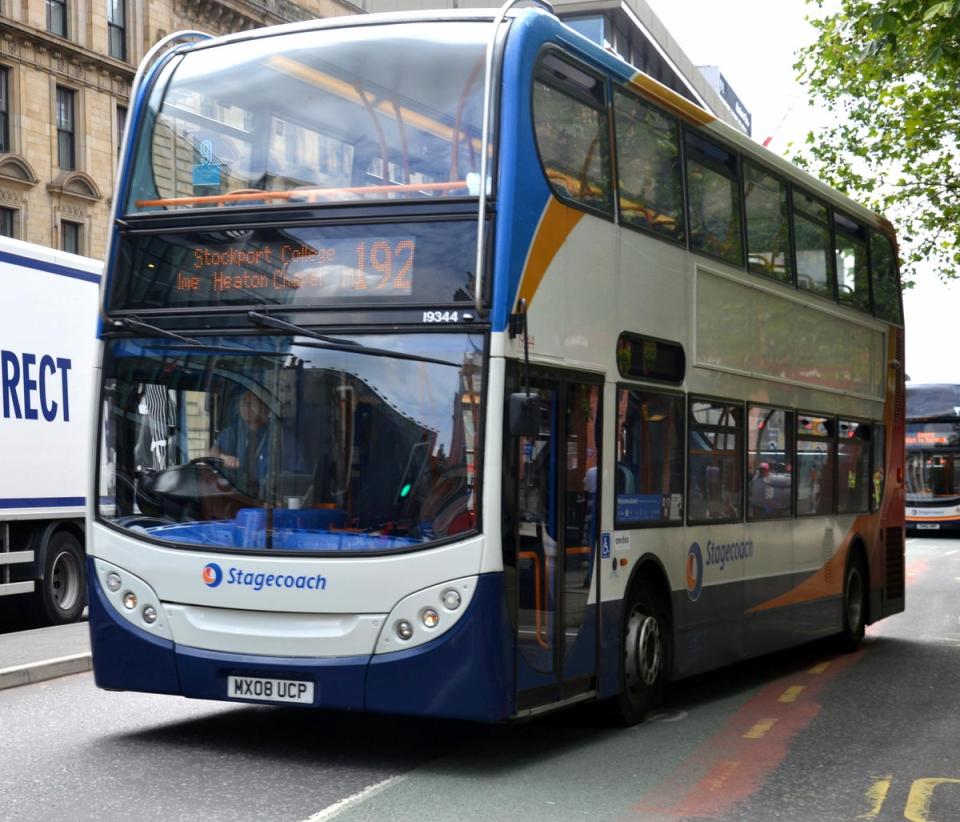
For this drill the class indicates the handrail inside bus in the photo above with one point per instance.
(485, 139)
(308, 194)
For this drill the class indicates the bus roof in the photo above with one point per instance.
(600, 57)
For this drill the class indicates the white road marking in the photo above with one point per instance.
(334, 810)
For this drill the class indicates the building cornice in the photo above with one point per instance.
(20, 41)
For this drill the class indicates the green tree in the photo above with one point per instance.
(889, 70)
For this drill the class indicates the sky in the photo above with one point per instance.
(754, 42)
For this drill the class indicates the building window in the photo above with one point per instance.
(121, 127)
(71, 236)
(66, 129)
(4, 110)
(117, 29)
(57, 17)
(8, 222)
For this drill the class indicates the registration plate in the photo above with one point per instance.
(928, 526)
(269, 690)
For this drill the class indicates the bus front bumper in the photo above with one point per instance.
(467, 673)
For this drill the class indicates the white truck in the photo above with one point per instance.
(48, 322)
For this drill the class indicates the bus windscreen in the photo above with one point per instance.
(330, 115)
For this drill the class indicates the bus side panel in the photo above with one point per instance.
(125, 658)
(465, 674)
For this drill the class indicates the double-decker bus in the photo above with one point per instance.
(453, 367)
(933, 457)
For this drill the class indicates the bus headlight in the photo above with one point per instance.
(425, 615)
(451, 599)
(132, 599)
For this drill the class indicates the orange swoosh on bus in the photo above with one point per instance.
(668, 98)
(556, 223)
(691, 576)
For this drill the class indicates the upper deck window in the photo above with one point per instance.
(322, 116)
(883, 270)
(572, 134)
(853, 274)
(713, 198)
(651, 179)
(811, 220)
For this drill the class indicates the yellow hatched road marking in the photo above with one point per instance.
(791, 693)
(758, 730)
(876, 794)
(921, 794)
(819, 669)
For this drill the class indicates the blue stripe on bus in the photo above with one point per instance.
(42, 502)
(50, 268)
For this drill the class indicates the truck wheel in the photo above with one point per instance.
(646, 649)
(62, 593)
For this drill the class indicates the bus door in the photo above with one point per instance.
(554, 524)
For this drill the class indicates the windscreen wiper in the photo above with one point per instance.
(336, 344)
(136, 324)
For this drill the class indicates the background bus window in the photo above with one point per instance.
(853, 468)
(715, 485)
(648, 162)
(768, 224)
(649, 472)
(713, 192)
(883, 272)
(815, 465)
(769, 463)
(571, 132)
(811, 228)
(853, 274)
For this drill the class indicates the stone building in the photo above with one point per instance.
(66, 70)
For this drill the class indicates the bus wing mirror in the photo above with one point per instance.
(524, 415)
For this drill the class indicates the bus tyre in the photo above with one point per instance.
(62, 593)
(646, 645)
(854, 605)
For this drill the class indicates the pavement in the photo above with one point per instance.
(44, 653)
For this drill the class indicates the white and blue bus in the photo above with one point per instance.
(453, 367)
(933, 457)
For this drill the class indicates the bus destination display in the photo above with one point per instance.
(424, 262)
(359, 268)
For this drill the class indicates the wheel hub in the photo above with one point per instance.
(644, 651)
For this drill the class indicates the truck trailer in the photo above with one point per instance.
(49, 305)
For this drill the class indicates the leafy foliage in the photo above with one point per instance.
(890, 71)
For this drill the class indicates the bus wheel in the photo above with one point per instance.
(646, 642)
(854, 605)
(62, 593)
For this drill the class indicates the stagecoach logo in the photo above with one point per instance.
(694, 571)
(212, 575)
